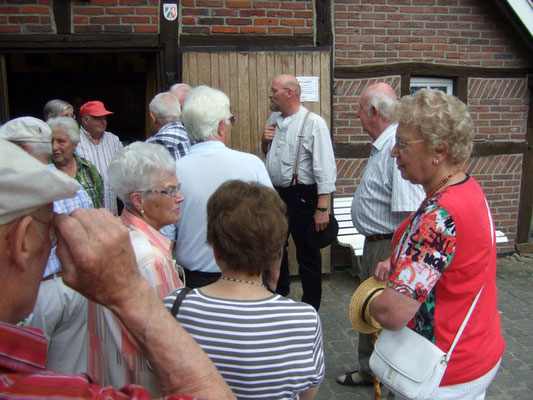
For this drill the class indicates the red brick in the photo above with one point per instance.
(266, 21)
(155, 20)
(238, 4)
(146, 11)
(194, 11)
(225, 29)
(292, 22)
(187, 3)
(279, 13)
(88, 29)
(29, 19)
(46, 2)
(279, 31)
(266, 4)
(9, 10)
(252, 13)
(45, 20)
(136, 20)
(211, 21)
(209, 3)
(118, 28)
(104, 20)
(188, 21)
(293, 6)
(303, 31)
(81, 19)
(37, 28)
(88, 11)
(35, 9)
(120, 10)
(145, 29)
(9, 28)
(238, 21)
(223, 12)
(253, 30)
(132, 2)
(104, 2)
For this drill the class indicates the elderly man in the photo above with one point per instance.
(382, 201)
(60, 312)
(165, 114)
(97, 258)
(210, 163)
(98, 146)
(304, 182)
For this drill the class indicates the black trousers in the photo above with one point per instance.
(301, 201)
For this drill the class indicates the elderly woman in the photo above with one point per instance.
(265, 346)
(57, 108)
(446, 251)
(65, 138)
(143, 176)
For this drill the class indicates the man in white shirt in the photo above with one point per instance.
(208, 119)
(98, 146)
(305, 189)
(382, 201)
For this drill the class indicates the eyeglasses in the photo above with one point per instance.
(274, 91)
(232, 119)
(52, 236)
(402, 145)
(172, 191)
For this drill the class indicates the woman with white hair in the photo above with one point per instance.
(58, 108)
(143, 176)
(65, 138)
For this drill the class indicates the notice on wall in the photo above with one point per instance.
(309, 85)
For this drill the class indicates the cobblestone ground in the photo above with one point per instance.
(515, 298)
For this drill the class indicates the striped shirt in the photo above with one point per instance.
(101, 155)
(174, 137)
(89, 177)
(265, 349)
(114, 358)
(383, 198)
(23, 373)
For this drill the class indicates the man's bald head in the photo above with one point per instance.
(382, 97)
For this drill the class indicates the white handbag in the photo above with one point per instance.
(409, 364)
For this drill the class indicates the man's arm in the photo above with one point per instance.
(322, 217)
(98, 261)
(268, 136)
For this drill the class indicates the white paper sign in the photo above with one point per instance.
(309, 85)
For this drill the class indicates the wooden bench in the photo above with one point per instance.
(349, 237)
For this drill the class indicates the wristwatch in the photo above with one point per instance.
(323, 209)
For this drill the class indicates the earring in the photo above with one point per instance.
(436, 161)
(142, 210)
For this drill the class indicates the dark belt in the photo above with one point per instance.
(51, 276)
(380, 236)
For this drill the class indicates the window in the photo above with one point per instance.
(417, 83)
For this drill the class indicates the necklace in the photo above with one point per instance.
(242, 281)
(443, 182)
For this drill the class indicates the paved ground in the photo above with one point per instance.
(515, 298)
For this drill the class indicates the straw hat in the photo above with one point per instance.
(359, 312)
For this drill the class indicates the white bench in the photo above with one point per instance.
(348, 235)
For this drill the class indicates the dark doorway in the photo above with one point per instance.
(123, 81)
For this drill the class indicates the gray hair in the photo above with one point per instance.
(203, 110)
(181, 91)
(36, 149)
(166, 108)
(68, 124)
(138, 168)
(383, 103)
(55, 107)
(441, 118)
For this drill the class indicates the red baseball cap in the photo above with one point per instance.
(95, 108)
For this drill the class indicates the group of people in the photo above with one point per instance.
(110, 297)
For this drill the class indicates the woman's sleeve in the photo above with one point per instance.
(424, 253)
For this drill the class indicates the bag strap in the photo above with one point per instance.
(298, 152)
(179, 299)
(463, 325)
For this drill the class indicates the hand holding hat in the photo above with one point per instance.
(359, 311)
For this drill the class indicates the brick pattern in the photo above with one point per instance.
(94, 16)
(293, 17)
(438, 31)
(499, 108)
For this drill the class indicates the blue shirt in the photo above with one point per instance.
(174, 137)
(207, 166)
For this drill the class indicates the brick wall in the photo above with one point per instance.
(460, 32)
(268, 17)
(94, 16)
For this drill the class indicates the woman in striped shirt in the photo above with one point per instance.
(143, 176)
(265, 346)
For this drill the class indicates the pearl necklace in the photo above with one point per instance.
(443, 182)
(242, 281)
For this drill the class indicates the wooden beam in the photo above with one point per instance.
(80, 42)
(460, 89)
(426, 69)
(405, 85)
(245, 40)
(169, 31)
(526, 187)
(481, 149)
(324, 32)
(61, 10)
